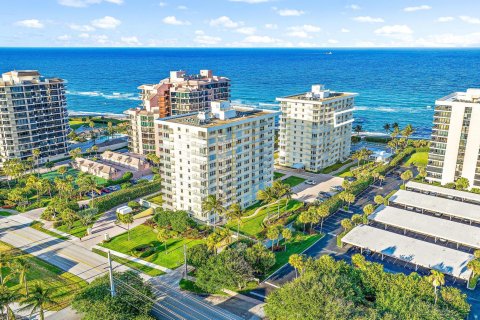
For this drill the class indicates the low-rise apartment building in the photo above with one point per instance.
(33, 115)
(227, 153)
(315, 128)
(178, 94)
(455, 143)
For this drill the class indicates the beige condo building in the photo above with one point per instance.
(33, 115)
(455, 143)
(227, 152)
(315, 128)
(178, 94)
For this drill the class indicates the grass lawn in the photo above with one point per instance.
(37, 225)
(293, 181)
(156, 199)
(64, 284)
(5, 214)
(417, 159)
(335, 166)
(141, 235)
(254, 226)
(131, 264)
(78, 229)
(277, 175)
(70, 172)
(296, 245)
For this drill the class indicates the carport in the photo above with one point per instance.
(416, 252)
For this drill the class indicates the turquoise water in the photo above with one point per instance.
(394, 85)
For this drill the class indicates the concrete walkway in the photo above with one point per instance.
(345, 166)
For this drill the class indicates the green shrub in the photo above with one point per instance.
(143, 251)
(116, 198)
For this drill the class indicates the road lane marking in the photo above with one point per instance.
(271, 284)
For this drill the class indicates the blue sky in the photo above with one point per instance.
(240, 23)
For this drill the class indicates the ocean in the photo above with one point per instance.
(394, 85)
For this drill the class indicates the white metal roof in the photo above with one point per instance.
(444, 191)
(462, 210)
(424, 224)
(415, 251)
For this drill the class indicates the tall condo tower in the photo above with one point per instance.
(455, 144)
(315, 128)
(33, 115)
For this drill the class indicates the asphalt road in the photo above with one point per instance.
(171, 303)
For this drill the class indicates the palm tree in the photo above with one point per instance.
(7, 297)
(406, 175)
(358, 128)
(437, 279)
(127, 219)
(346, 224)
(381, 178)
(407, 131)
(322, 212)
(387, 127)
(304, 218)
(297, 261)
(39, 298)
(474, 265)
(368, 209)
(162, 236)
(213, 204)
(287, 193)
(273, 233)
(235, 213)
(287, 235)
(4, 261)
(379, 199)
(22, 266)
(349, 198)
(75, 153)
(62, 170)
(35, 156)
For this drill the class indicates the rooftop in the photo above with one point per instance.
(16, 77)
(443, 191)
(318, 93)
(440, 205)
(193, 119)
(472, 95)
(427, 225)
(418, 252)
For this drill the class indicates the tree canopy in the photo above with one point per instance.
(330, 289)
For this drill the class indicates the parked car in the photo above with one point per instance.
(336, 188)
(351, 179)
(324, 195)
(311, 182)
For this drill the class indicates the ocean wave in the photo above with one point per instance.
(113, 95)
(89, 113)
(393, 109)
(261, 104)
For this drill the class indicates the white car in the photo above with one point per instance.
(311, 182)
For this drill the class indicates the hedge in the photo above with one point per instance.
(125, 195)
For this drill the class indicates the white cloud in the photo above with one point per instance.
(84, 35)
(332, 41)
(345, 30)
(84, 28)
(251, 1)
(131, 41)
(353, 7)
(469, 19)
(162, 4)
(101, 39)
(298, 34)
(30, 23)
(445, 19)
(85, 3)
(417, 8)
(204, 39)
(290, 12)
(271, 26)
(64, 37)
(224, 21)
(246, 30)
(106, 22)
(182, 7)
(260, 39)
(450, 40)
(172, 20)
(394, 30)
(368, 19)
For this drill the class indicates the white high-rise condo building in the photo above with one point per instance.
(178, 94)
(315, 128)
(455, 143)
(33, 115)
(227, 152)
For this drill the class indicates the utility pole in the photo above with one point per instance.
(110, 272)
(185, 259)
